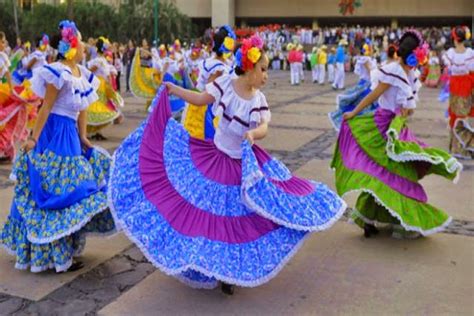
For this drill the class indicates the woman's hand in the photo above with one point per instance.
(29, 144)
(171, 87)
(348, 115)
(250, 137)
(86, 142)
(406, 112)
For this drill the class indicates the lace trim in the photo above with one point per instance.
(395, 214)
(452, 165)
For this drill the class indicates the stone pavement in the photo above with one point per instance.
(336, 272)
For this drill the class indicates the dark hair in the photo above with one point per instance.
(38, 41)
(100, 46)
(218, 39)
(459, 34)
(408, 43)
(239, 71)
(54, 43)
(392, 49)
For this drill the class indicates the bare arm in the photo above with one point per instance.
(369, 99)
(193, 97)
(9, 80)
(49, 99)
(257, 133)
(31, 64)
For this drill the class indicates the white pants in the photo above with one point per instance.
(276, 64)
(331, 73)
(339, 76)
(322, 73)
(294, 73)
(315, 73)
(300, 69)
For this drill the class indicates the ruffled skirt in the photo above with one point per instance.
(434, 75)
(17, 111)
(60, 196)
(377, 155)
(106, 109)
(461, 116)
(348, 101)
(203, 217)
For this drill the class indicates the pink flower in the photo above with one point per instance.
(256, 41)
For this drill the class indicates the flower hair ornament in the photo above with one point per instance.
(249, 53)
(228, 44)
(162, 51)
(105, 44)
(466, 30)
(419, 56)
(44, 42)
(68, 44)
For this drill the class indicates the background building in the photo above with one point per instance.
(326, 12)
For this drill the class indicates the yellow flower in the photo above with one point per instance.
(229, 43)
(254, 55)
(71, 53)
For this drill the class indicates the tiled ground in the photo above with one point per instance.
(336, 272)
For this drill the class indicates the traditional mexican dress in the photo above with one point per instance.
(214, 210)
(144, 81)
(461, 109)
(434, 72)
(60, 187)
(198, 120)
(377, 155)
(22, 74)
(16, 109)
(107, 108)
(349, 100)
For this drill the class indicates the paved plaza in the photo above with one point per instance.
(336, 272)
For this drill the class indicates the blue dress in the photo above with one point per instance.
(60, 191)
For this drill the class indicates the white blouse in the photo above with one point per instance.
(207, 68)
(40, 59)
(104, 68)
(404, 88)
(237, 115)
(75, 93)
(458, 63)
(360, 68)
(4, 64)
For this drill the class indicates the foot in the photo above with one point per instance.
(76, 265)
(99, 137)
(227, 288)
(370, 230)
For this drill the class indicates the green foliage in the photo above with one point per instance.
(133, 20)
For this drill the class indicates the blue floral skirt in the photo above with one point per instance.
(348, 101)
(203, 217)
(60, 196)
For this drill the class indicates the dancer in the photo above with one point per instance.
(434, 70)
(106, 109)
(198, 120)
(347, 101)
(60, 178)
(339, 74)
(314, 62)
(377, 154)
(331, 64)
(205, 211)
(459, 61)
(322, 61)
(17, 108)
